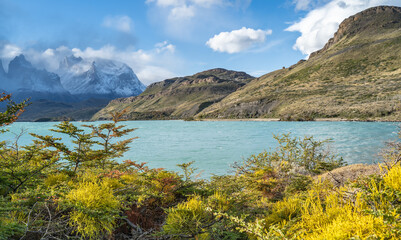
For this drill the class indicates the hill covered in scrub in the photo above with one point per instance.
(178, 98)
(357, 75)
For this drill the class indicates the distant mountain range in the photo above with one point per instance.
(60, 95)
(357, 75)
(98, 78)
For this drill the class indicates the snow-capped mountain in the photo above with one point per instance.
(85, 86)
(98, 78)
(26, 81)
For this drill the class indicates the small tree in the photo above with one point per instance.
(96, 149)
(13, 110)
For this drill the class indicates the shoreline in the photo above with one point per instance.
(278, 120)
(239, 120)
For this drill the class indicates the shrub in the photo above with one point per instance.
(328, 215)
(94, 209)
(188, 219)
(393, 178)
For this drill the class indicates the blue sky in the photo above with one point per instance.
(159, 39)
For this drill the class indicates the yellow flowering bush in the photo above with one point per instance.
(393, 178)
(95, 209)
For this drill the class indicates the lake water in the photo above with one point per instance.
(215, 146)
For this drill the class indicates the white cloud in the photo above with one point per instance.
(119, 23)
(164, 46)
(178, 3)
(320, 24)
(149, 65)
(167, 3)
(10, 51)
(207, 3)
(305, 5)
(237, 40)
(182, 12)
(185, 19)
(183, 9)
(302, 4)
(152, 74)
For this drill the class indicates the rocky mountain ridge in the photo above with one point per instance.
(180, 97)
(362, 21)
(99, 78)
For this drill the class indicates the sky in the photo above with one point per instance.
(160, 39)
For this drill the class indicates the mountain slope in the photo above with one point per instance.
(98, 78)
(178, 97)
(357, 75)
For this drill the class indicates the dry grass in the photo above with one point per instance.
(349, 173)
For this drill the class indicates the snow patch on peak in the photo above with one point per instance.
(69, 61)
(99, 77)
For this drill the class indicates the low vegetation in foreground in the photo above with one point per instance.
(49, 190)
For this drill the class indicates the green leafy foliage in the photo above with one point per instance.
(13, 110)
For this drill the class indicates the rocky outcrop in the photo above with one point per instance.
(179, 98)
(370, 19)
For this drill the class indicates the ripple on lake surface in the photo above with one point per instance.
(214, 146)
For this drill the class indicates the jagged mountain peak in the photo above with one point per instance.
(26, 81)
(97, 77)
(19, 62)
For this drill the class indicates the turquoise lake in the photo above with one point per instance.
(216, 145)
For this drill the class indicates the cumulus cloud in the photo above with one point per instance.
(237, 40)
(321, 23)
(119, 23)
(149, 65)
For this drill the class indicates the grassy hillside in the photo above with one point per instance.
(178, 97)
(357, 75)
